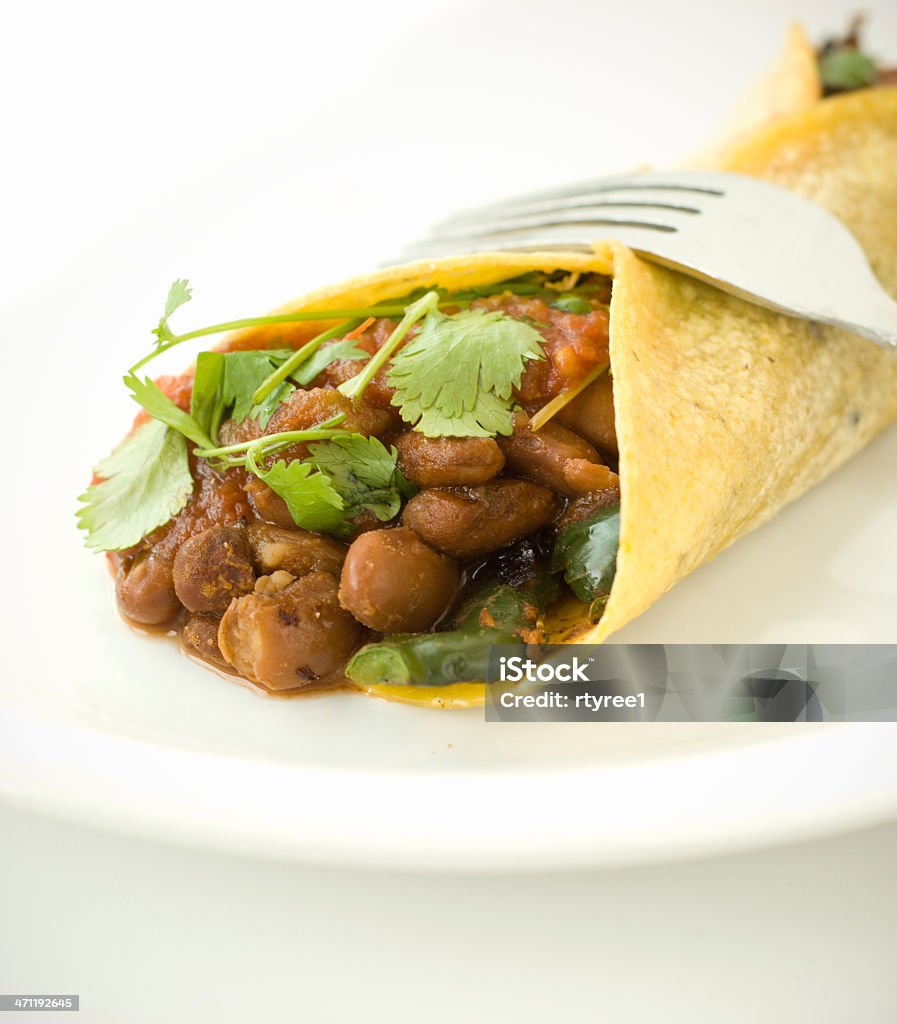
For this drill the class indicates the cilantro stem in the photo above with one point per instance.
(355, 387)
(322, 432)
(299, 357)
(303, 316)
(167, 339)
(170, 340)
(259, 449)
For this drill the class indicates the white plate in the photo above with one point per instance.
(102, 725)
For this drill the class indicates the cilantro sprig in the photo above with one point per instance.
(144, 482)
(425, 305)
(364, 473)
(455, 377)
(181, 293)
(313, 501)
(153, 399)
(227, 384)
(339, 479)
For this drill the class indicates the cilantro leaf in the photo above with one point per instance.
(148, 394)
(363, 472)
(205, 404)
(145, 481)
(420, 308)
(320, 360)
(455, 377)
(179, 293)
(265, 409)
(571, 303)
(847, 68)
(313, 501)
(225, 382)
(243, 373)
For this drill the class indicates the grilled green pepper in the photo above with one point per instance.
(495, 613)
(586, 553)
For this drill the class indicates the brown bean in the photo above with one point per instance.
(554, 457)
(468, 522)
(378, 392)
(297, 551)
(212, 568)
(273, 509)
(306, 409)
(446, 461)
(290, 638)
(199, 636)
(587, 505)
(268, 505)
(232, 432)
(394, 583)
(145, 589)
(366, 520)
(591, 414)
(583, 477)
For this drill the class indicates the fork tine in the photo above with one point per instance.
(630, 199)
(685, 187)
(744, 235)
(595, 214)
(635, 234)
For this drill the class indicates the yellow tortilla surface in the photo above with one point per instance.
(725, 411)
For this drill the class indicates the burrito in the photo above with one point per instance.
(373, 485)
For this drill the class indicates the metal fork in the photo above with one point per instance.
(746, 236)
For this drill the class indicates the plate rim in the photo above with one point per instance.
(466, 823)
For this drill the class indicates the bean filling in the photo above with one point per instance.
(249, 589)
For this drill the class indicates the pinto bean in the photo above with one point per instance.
(297, 551)
(555, 457)
(145, 589)
(305, 409)
(268, 505)
(232, 432)
(591, 414)
(199, 636)
(584, 477)
(394, 583)
(378, 393)
(587, 505)
(469, 522)
(289, 638)
(212, 568)
(444, 461)
(273, 509)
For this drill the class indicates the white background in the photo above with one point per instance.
(261, 150)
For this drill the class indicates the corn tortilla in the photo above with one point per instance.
(725, 411)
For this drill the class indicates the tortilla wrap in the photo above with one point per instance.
(725, 411)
